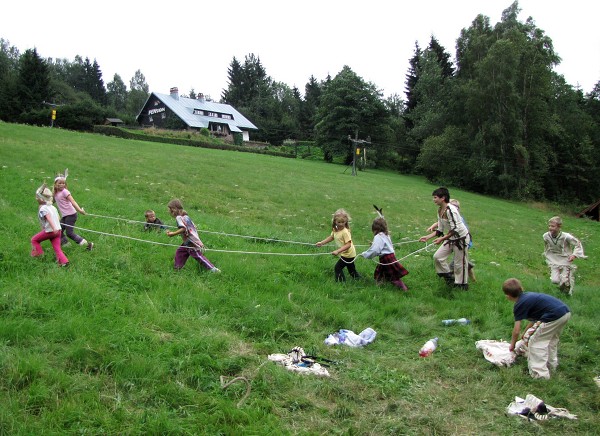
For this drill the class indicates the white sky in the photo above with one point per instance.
(190, 43)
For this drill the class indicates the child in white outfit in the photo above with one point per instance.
(560, 250)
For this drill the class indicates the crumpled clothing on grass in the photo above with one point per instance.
(296, 361)
(497, 352)
(534, 409)
(348, 337)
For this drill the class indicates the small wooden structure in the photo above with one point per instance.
(113, 122)
(592, 211)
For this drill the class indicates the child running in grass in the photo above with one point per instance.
(191, 245)
(340, 233)
(560, 250)
(50, 223)
(68, 210)
(388, 269)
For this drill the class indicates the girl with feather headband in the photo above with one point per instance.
(49, 221)
(389, 269)
(68, 210)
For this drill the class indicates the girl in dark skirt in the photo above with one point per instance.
(388, 268)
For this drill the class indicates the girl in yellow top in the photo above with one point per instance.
(340, 233)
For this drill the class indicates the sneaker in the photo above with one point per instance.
(215, 270)
(90, 246)
(400, 284)
(464, 287)
(64, 265)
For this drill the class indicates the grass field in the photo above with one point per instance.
(119, 343)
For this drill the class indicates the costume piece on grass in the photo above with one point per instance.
(534, 409)
(297, 361)
(496, 352)
(348, 337)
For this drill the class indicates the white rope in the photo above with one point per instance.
(231, 234)
(128, 220)
(207, 231)
(391, 263)
(193, 248)
(402, 258)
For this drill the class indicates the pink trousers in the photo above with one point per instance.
(54, 238)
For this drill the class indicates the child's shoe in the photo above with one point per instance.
(90, 246)
(400, 284)
(64, 265)
(215, 270)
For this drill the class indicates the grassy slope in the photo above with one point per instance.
(119, 343)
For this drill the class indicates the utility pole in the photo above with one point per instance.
(355, 147)
(53, 114)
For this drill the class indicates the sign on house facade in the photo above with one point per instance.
(170, 111)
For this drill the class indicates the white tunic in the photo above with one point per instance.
(451, 221)
(557, 250)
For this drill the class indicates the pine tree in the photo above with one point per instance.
(33, 85)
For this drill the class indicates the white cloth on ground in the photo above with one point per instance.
(293, 361)
(497, 352)
(532, 408)
(348, 337)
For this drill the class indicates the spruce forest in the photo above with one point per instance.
(492, 118)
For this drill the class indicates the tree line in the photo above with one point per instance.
(499, 121)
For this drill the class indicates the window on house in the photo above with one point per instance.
(198, 112)
(213, 114)
(227, 116)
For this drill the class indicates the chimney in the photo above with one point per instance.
(200, 97)
(174, 92)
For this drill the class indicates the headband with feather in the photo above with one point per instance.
(62, 176)
(379, 211)
(44, 194)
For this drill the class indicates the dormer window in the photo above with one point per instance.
(226, 117)
(198, 112)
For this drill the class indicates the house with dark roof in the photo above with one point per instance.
(169, 110)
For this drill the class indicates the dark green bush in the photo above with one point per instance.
(140, 136)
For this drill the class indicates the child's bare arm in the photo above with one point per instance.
(343, 248)
(75, 205)
(53, 225)
(428, 237)
(432, 227)
(179, 231)
(515, 335)
(324, 241)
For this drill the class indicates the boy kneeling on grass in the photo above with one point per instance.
(547, 315)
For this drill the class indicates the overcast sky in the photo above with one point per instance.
(191, 43)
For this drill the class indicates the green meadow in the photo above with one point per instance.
(119, 343)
